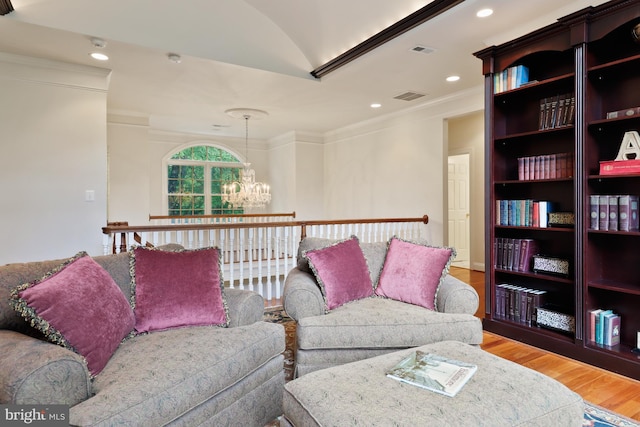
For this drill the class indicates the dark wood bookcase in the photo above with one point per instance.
(590, 57)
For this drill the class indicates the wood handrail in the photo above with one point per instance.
(109, 229)
(152, 217)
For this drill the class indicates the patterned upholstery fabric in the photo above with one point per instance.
(154, 377)
(202, 375)
(375, 325)
(501, 393)
(39, 370)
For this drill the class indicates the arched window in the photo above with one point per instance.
(195, 177)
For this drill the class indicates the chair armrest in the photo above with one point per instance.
(455, 296)
(245, 307)
(301, 296)
(33, 371)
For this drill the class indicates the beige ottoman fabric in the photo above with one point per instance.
(501, 393)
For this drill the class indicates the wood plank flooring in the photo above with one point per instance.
(598, 386)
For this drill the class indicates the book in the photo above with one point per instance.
(544, 207)
(634, 218)
(613, 213)
(433, 372)
(600, 326)
(627, 112)
(593, 315)
(604, 213)
(528, 248)
(611, 331)
(620, 167)
(623, 212)
(594, 207)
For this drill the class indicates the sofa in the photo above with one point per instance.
(230, 374)
(369, 324)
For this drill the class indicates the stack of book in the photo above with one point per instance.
(545, 166)
(514, 254)
(557, 111)
(614, 212)
(523, 213)
(518, 304)
(511, 78)
(604, 327)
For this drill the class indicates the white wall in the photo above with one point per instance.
(395, 166)
(297, 174)
(128, 162)
(53, 149)
(136, 174)
(466, 135)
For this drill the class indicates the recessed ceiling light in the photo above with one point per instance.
(453, 78)
(483, 13)
(376, 105)
(99, 56)
(174, 57)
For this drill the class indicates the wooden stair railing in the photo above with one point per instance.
(259, 255)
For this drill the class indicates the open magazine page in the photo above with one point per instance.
(433, 372)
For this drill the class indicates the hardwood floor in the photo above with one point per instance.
(606, 389)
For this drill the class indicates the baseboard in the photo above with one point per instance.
(478, 266)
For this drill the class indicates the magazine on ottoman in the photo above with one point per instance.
(433, 372)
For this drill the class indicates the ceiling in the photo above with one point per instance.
(259, 54)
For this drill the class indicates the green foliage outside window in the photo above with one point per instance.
(187, 184)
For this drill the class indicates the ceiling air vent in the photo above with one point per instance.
(422, 49)
(409, 96)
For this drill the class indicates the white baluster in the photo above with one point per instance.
(241, 256)
(269, 282)
(250, 255)
(106, 243)
(260, 275)
(277, 259)
(230, 245)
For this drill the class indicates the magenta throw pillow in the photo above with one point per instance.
(341, 271)
(413, 272)
(79, 306)
(177, 289)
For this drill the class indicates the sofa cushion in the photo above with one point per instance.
(384, 323)
(374, 253)
(153, 377)
(341, 271)
(177, 288)
(413, 272)
(79, 306)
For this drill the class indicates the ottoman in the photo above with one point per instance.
(501, 393)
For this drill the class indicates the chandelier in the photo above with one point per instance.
(246, 192)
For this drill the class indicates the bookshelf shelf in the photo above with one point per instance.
(537, 132)
(623, 288)
(536, 276)
(538, 85)
(618, 351)
(604, 265)
(537, 229)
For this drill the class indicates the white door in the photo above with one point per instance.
(458, 201)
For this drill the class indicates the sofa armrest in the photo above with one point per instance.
(245, 307)
(33, 371)
(301, 296)
(455, 296)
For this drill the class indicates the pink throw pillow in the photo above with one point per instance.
(176, 289)
(412, 272)
(341, 271)
(79, 306)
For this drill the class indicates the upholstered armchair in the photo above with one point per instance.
(336, 328)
